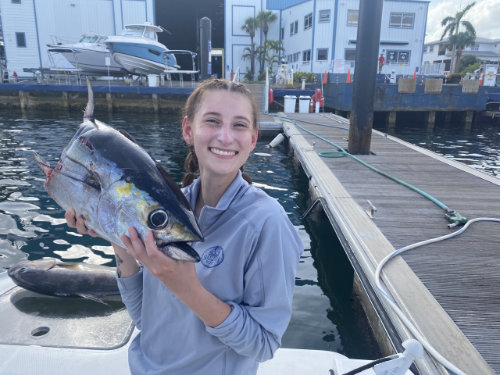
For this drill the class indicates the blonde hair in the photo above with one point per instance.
(191, 162)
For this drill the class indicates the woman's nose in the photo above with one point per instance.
(225, 134)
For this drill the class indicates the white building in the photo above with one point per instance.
(317, 35)
(320, 35)
(437, 58)
(29, 25)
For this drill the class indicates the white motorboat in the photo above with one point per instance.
(89, 53)
(45, 335)
(138, 51)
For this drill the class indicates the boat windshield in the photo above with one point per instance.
(89, 39)
(140, 32)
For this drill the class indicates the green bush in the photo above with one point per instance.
(310, 77)
(454, 78)
(470, 68)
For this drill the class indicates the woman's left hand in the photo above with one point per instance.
(178, 276)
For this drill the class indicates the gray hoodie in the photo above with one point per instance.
(249, 260)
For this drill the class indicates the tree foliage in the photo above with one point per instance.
(266, 53)
(458, 40)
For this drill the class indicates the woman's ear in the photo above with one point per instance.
(187, 131)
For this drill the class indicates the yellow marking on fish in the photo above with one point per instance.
(127, 189)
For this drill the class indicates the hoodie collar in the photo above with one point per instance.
(209, 214)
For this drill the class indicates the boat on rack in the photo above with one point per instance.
(45, 335)
(89, 54)
(139, 52)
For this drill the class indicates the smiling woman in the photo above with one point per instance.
(235, 303)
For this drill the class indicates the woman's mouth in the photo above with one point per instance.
(221, 152)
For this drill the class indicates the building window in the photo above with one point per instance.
(308, 21)
(282, 33)
(21, 39)
(15, 1)
(350, 54)
(352, 17)
(324, 16)
(398, 57)
(306, 56)
(322, 54)
(474, 47)
(402, 20)
(294, 28)
(431, 48)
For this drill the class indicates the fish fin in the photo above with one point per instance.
(93, 298)
(89, 109)
(174, 187)
(43, 164)
(127, 135)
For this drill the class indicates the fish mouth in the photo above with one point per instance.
(179, 251)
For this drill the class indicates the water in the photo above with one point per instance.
(32, 225)
(478, 147)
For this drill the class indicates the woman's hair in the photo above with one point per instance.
(192, 105)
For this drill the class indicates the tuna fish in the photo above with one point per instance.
(113, 182)
(64, 279)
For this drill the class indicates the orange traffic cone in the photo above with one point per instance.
(324, 78)
(415, 74)
(348, 75)
(481, 78)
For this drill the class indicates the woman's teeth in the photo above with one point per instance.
(222, 152)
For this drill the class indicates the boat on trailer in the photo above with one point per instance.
(89, 54)
(139, 52)
(46, 335)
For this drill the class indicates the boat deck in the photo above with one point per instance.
(449, 289)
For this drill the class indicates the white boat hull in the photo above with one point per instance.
(138, 65)
(87, 56)
(23, 352)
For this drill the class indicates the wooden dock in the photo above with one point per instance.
(450, 290)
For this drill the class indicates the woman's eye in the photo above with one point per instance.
(240, 125)
(212, 121)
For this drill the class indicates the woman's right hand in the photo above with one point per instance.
(78, 222)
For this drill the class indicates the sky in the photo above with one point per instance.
(484, 16)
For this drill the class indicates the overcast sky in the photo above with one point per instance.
(484, 16)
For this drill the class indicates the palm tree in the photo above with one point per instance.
(451, 26)
(250, 26)
(460, 41)
(264, 18)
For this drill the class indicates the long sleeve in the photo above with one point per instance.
(131, 292)
(255, 326)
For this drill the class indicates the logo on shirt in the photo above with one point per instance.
(212, 256)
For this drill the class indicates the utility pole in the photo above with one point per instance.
(365, 76)
(205, 48)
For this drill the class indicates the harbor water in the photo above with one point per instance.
(32, 225)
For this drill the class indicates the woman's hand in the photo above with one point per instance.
(78, 222)
(125, 263)
(179, 277)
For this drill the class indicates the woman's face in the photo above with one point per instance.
(222, 133)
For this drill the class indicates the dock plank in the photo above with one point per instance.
(461, 275)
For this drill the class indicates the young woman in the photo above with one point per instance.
(228, 312)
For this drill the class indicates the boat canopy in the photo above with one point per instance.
(145, 30)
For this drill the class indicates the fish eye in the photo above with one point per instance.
(158, 219)
(22, 269)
